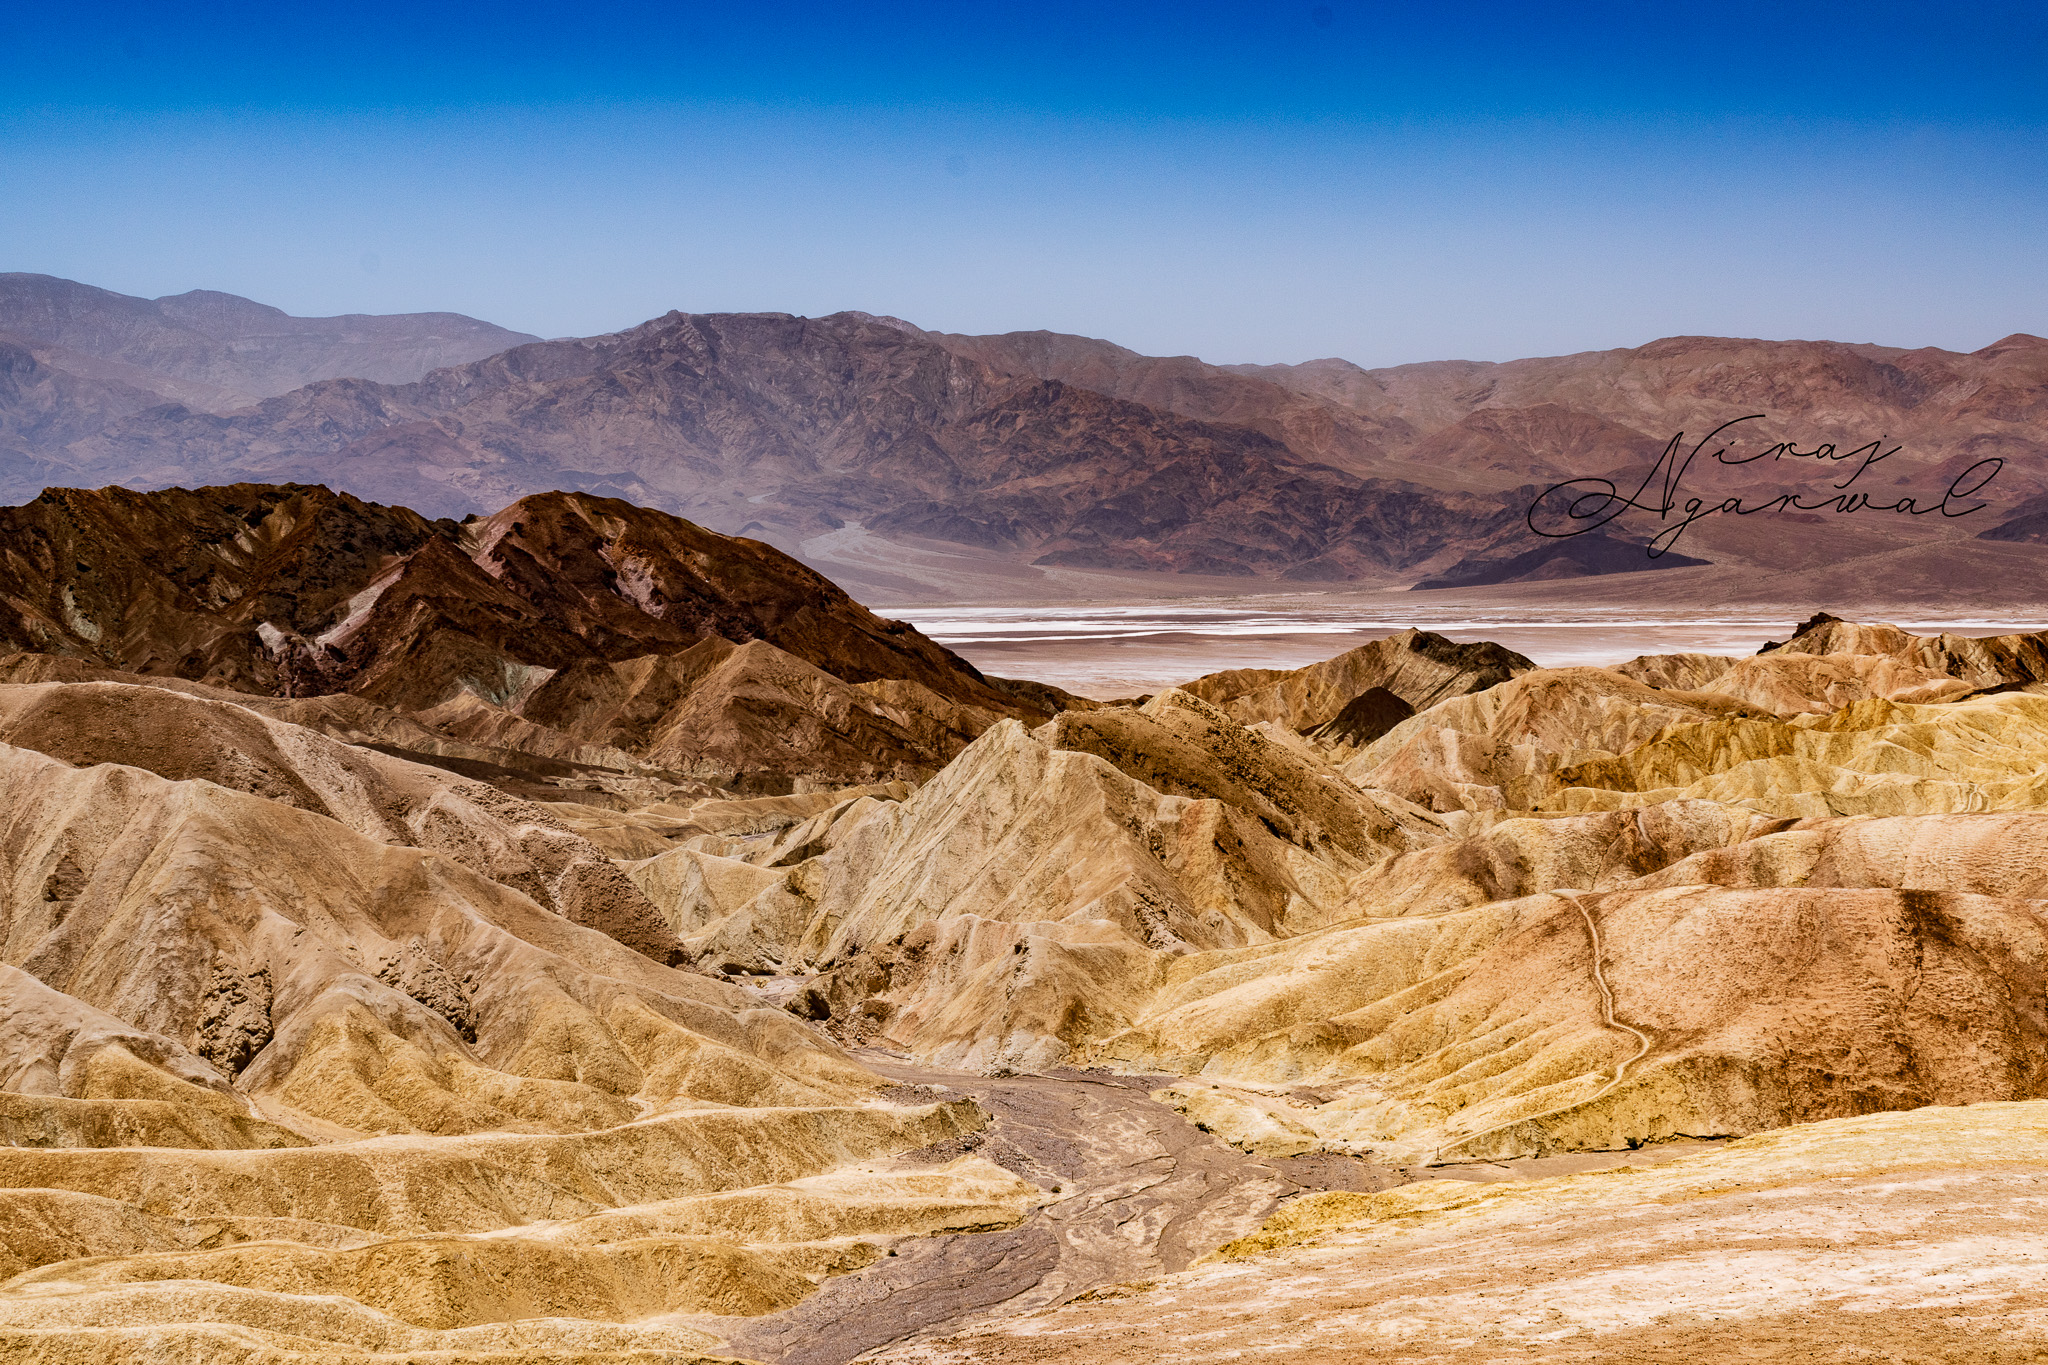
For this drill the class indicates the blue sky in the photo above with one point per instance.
(1241, 182)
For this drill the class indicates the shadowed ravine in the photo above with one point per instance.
(1138, 1192)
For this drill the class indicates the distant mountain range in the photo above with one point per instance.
(214, 352)
(889, 454)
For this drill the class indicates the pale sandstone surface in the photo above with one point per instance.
(1419, 667)
(317, 1051)
(1724, 1012)
(1890, 1237)
(709, 712)
(1571, 910)
(1030, 894)
(385, 799)
(332, 945)
(510, 747)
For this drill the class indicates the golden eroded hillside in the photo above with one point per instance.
(537, 943)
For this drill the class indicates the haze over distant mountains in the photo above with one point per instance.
(213, 352)
(913, 463)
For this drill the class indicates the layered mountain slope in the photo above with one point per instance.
(1416, 667)
(1569, 909)
(1021, 902)
(1939, 405)
(1347, 437)
(314, 1029)
(848, 432)
(383, 799)
(1454, 424)
(572, 1130)
(1858, 1238)
(714, 710)
(794, 427)
(1656, 934)
(1942, 419)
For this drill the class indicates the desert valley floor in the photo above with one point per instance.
(1119, 648)
(574, 935)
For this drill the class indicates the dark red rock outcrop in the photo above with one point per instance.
(298, 591)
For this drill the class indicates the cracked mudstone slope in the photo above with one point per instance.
(419, 975)
(234, 1017)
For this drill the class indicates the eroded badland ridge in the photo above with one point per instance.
(915, 463)
(572, 934)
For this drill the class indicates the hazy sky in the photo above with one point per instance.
(1240, 182)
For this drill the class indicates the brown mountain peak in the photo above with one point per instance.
(2018, 341)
